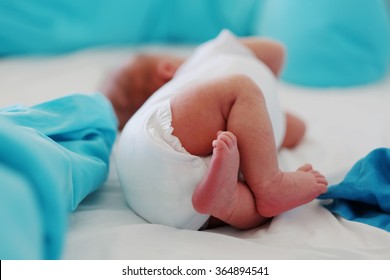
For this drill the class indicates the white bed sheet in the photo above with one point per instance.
(343, 126)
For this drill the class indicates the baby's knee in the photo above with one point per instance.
(242, 80)
(246, 87)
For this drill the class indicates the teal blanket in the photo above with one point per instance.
(364, 194)
(51, 156)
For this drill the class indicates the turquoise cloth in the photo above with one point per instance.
(330, 42)
(55, 26)
(364, 194)
(51, 156)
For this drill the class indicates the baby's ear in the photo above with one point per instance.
(166, 69)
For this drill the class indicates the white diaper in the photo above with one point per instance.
(159, 179)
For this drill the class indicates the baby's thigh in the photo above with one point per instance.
(199, 112)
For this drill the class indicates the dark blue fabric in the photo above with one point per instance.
(364, 193)
(51, 156)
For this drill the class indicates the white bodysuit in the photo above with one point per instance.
(157, 175)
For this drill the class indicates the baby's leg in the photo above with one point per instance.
(236, 104)
(274, 191)
(295, 130)
(220, 194)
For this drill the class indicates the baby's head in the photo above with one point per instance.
(133, 83)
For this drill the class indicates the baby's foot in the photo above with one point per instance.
(217, 191)
(290, 190)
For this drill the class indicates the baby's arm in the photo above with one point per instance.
(270, 52)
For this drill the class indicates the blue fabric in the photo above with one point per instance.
(330, 42)
(51, 156)
(364, 194)
(54, 26)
